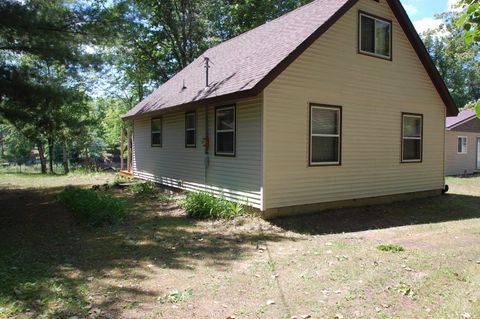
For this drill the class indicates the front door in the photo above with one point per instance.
(478, 153)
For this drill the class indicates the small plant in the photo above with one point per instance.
(97, 208)
(176, 296)
(145, 189)
(405, 289)
(206, 206)
(390, 248)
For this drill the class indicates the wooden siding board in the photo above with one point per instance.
(237, 178)
(373, 94)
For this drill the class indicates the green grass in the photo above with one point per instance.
(204, 205)
(97, 208)
(391, 248)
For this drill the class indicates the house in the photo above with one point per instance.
(334, 104)
(462, 144)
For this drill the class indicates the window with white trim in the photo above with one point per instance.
(462, 145)
(412, 137)
(190, 129)
(375, 36)
(325, 134)
(225, 131)
(156, 132)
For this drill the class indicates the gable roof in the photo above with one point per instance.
(461, 118)
(244, 66)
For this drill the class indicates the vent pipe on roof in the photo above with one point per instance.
(207, 66)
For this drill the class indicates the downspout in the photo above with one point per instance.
(206, 145)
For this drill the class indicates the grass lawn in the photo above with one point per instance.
(160, 264)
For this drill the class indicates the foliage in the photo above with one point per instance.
(470, 20)
(390, 248)
(98, 209)
(457, 62)
(204, 205)
(144, 189)
(176, 296)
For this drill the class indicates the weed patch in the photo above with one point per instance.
(206, 206)
(98, 209)
(176, 296)
(390, 248)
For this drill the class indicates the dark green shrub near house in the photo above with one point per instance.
(96, 208)
(204, 205)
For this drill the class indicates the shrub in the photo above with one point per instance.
(147, 188)
(97, 208)
(390, 248)
(206, 206)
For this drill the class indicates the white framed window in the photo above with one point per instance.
(225, 131)
(462, 145)
(375, 36)
(156, 132)
(190, 130)
(412, 137)
(325, 135)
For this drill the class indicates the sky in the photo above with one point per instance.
(422, 12)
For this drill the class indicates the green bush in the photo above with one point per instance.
(147, 188)
(98, 209)
(390, 248)
(206, 206)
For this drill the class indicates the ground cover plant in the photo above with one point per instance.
(161, 264)
(96, 207)
(204, 205)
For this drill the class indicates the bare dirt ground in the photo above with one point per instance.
(160, 264)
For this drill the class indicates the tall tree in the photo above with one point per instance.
(458, 62)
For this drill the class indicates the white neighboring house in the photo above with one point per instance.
(462, 148)
(336, 103)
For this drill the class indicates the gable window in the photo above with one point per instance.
(462, 145)
(325, 133)
(190, 129)
(375, 36)
(225, 131)
(412, 137)
(156, 132)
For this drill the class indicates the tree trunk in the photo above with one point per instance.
(66, 169)
(50, 154)
(2, 148)
(43, 162)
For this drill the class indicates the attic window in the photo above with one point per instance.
(375, 36)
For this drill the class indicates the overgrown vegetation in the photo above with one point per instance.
(97, 208)
(144, 189)
(204, 205)
(390, 248)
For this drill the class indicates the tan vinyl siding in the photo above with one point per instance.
(459, 164)
(237, 178)
(373, 94)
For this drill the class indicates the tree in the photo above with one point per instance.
(470, 20)
(457, 62)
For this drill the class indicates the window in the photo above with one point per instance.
(325, 130)
(412, 139)
(156, 130)
(375, 36)
(462, 145)
(225, 131)
(190, 130)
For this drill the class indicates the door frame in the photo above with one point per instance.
(477, 154)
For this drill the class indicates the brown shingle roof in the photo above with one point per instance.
(246, 64)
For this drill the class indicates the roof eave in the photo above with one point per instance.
(424, 56)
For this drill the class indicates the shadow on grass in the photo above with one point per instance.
(446, 208)
(47, 256)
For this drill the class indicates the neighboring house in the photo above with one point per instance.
(336, 103)
(462, 148)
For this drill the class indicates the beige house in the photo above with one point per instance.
(336, 103)
(462, 148)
